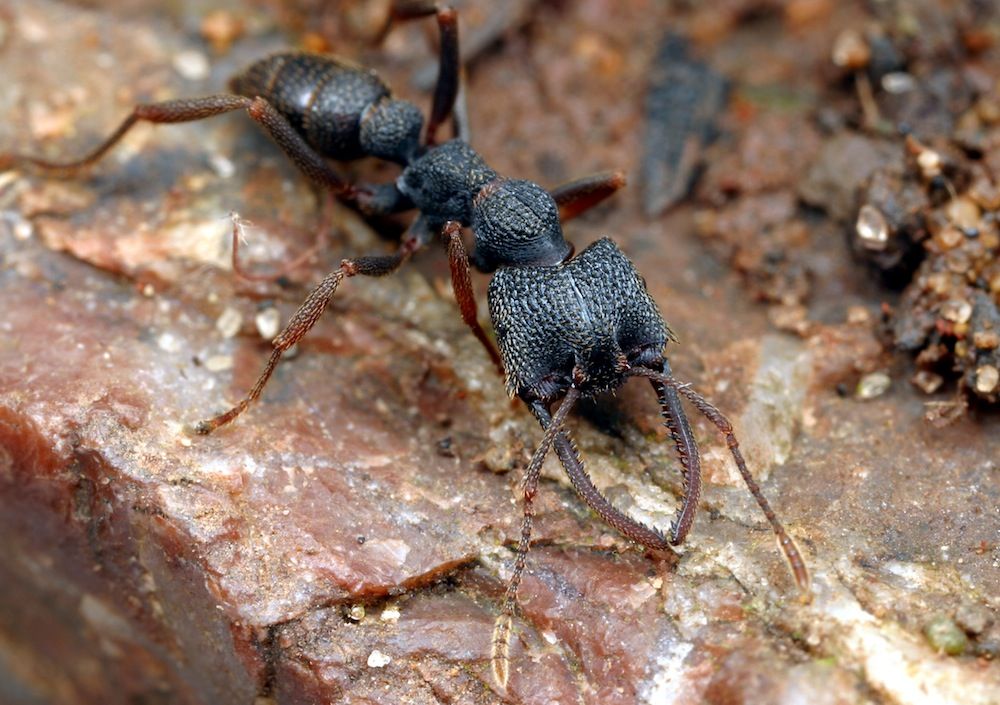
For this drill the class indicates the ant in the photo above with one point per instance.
(566, 326)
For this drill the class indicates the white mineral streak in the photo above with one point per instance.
(669, 683)
(899, 664)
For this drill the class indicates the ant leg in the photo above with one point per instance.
(310, 311)
(791, 551)
(449, 73)
(170, 111)
(191, 110)
(297, 149)
(687, 451)
(449, 66)
(584, 486)
(322, 234)
(575, 197)
(500, 657)
(461, 282)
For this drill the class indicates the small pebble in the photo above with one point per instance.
(986, 339)
(168, 342)
(987, 378)
(390, 614)
(851, 51)
(268, 322)
(897, 82)
(929, 162)
(221, 28)
(956, 311)
(973, 618)
(376, 659)
(859, 316)
(873, 385)
(963, 212)
(221, 165)
(945, 636)
(219, 363)
(192, 65)
(23, 229)
(229, 323)
(872, 228)
(927, 382)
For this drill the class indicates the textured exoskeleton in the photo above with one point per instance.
(590, 315)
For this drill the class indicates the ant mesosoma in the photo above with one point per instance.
(567, 326)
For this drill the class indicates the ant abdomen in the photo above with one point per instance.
(323, 97)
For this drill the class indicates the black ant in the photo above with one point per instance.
(567, 326)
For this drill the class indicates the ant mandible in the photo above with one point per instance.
(567, 326)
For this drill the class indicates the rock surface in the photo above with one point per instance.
(345, 540)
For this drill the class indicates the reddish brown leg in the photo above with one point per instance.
(500, 657)
(449, 73)
(166, 112)
(310, 311)
(791, 551)
(461, 282)
(581, 195)
(322, 233)
(449, 66)
(191, 110)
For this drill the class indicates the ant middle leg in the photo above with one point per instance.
(580, 195)
(322, 235)
(461, 282)
(310, 311)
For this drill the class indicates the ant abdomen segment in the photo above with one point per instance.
(321, 96)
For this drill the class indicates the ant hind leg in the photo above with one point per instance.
(170, 111)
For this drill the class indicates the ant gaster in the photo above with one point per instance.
(567, 327)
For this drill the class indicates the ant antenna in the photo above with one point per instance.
(500, 657)
(788, 547)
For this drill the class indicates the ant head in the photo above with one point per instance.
(516, 223)
(390, 129)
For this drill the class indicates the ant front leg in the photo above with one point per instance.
(449, 73)
(461, 282)
(580, 195)
(309, 312)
